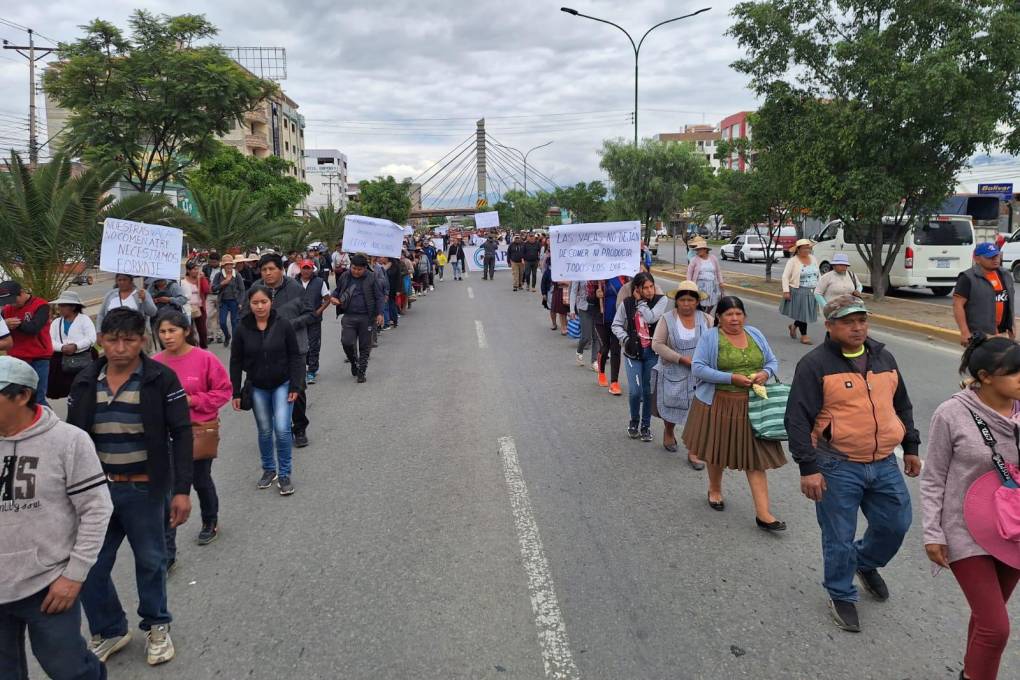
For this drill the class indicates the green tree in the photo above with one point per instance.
(885, 102)
(156, 101)
(266, 179)
(518, 210)
(652, 179)
(327, 225)
(386, 198)
(587, 202)
(230, 219)
(51, 222)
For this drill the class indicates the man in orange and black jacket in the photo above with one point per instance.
(847, 412)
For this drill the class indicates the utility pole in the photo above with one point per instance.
(480, 163)
(33, 141)
(329, 186)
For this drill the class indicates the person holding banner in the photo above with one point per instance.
(126, 294)
(634, 324)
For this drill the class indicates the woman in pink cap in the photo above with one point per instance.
(972, 431)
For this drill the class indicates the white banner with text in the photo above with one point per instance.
(475, 258)
(141, 249)
(487, 220)
(595, 251)
(372, 236)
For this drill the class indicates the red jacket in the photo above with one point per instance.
(32, 337)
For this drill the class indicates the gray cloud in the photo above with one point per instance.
(351, 65)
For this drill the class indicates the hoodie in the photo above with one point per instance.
(956, 456)
(54, 506)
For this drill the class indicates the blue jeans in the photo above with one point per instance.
(639, 382)
(56, 642)
(228, 307)
(42, 369)
(878, 490)
(456, 269)
(392, 312)
(141, 518)
(272, 415)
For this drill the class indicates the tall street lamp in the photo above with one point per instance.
(636, 46)
(525, 157)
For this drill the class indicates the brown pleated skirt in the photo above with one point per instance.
(721, 434)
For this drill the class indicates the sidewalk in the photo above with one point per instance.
(935, 321)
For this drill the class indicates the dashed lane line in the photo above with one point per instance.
(480, 330)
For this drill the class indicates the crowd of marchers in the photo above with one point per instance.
(693, 360)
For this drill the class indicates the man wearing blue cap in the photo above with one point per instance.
(983, 300)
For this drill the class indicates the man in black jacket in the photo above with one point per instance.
(291, 303)
(515, 254)
(137, 415)
(318, 297)
(532, 252)
(360, 295)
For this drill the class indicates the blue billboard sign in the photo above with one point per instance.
(1002, 190)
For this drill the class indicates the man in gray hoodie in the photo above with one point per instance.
(54, 508)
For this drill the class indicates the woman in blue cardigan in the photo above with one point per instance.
(729, 359)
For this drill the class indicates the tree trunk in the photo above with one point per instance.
(878, 280)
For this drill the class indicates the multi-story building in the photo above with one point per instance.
(703, 137)
(353, 192)
(732, 128)
(273, 128)
(326, 172)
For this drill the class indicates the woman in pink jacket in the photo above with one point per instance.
(208, 387)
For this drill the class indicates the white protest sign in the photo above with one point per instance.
(437, 243)
(597, 251)
(441, 230)
(141, 249)
(372, 236)
(487, 220)
(408, 230)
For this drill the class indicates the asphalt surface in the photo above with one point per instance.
(405, 553)
(758, 269)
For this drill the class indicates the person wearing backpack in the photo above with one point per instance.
(634, 325)
(847, 412)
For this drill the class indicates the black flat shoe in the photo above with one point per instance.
(672, 448)
(696, 465)
(771, 526)
(716, 505)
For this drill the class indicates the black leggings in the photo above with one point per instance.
(611, 349)
(801, 326)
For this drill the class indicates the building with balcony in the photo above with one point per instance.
(273, 128)
(703, 138)
(732, 128)
(326, 172)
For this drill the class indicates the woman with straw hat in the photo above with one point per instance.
(675, 338)
(970, 498)
(73, 336)
(704, 270)
(799, 280)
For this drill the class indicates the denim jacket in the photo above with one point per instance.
(706, 359)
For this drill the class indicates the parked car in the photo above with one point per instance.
(725, 232)
(747, 248)
(1011, 254)
(932, 255)
(786, 237)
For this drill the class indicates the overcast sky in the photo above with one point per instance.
(359, 70)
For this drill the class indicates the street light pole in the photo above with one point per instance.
(636, 46)
(524, 156)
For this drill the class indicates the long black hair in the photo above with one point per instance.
(994, 356)
(175, 317)
(640, 279)
(726, 303)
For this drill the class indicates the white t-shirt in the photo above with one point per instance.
(131, 302)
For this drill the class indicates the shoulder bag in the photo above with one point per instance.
(206, 439)
(767, 413)
(72, 363)
(632, 345)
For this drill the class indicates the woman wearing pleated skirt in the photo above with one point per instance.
(728, 361)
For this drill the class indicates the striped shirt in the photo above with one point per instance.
(118, 432)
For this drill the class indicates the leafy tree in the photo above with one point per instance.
(156, 102)
(885, 102)
(437, 221)
(327, 225)
(51, 222)
(386, 198)
(587, 202)
(708, 201)
(230, 218)
(264, 179)
(652, 179)
(518, 210)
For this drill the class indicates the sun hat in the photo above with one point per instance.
(17, 372)
(698, 242)
(802, 242)
(840, 258)
(986, 250)
(844, 305)
(991, 507)
(68, 297)
(227, 259)
(688, 287)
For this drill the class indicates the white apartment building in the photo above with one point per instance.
(326, 171)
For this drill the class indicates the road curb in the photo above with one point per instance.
(938, 332)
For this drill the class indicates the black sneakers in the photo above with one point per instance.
(874, 584)
(286, 488)
(300, 440)
(844, 613)
(208, 534)
(362, 378)
(646, 434)
(632, 430)
(267, 479)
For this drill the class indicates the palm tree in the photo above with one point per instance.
(51, 221)
(327, 225)
(230, 218)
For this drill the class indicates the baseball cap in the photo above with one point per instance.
(842, 306)
(8, 291)
(17, 372)
(307, 263)
(986, 250)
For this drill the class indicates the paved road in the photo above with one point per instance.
(758, 269)
(405, 553)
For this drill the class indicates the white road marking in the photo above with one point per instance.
(552, 632)
(480, 330)
(471, 293)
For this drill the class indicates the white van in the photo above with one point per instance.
(932, 255)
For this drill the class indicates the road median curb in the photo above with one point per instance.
(938, 332)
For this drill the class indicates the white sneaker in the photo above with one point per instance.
(580, 359)
(104, 648)
(159, 648)
(432, 287)
(595, 366)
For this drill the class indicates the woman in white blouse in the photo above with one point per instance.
(73, 336)
(125, 294)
